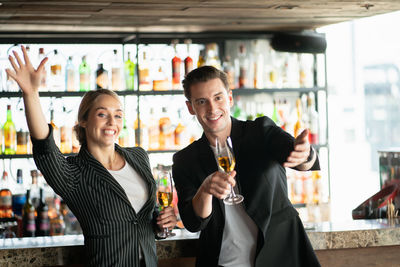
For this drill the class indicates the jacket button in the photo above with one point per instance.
(134, 222)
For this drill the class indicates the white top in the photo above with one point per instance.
(133, 184)
(239, 239)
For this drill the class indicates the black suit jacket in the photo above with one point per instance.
(260, 148)
(112, 229)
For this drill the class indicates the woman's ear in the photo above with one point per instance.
(83, 124)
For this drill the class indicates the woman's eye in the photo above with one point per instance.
(118, 116)
(101, 115)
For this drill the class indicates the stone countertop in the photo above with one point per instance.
(325, 235)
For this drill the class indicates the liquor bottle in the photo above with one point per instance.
(22, 142)
(212, 58)
(160, 81)
(313, 120)
(166, 137)
(123, 138)
(176, 68)
(84, 75)
(65, 139)
(201, 60)
(1, 140)
(56, 78)
(72, 225)
(229, 69)
(42, 219)
(41, 56)
(18, 195)
(28, 217)
(34, 189)
(275, 115)
(243, 64)
(101, 77)
(129, 73)
(57, 224)
(179, 132)
(141, 134)
(299, 125)
(153, 130)
(70, 84)
(5, 197)
(144, 74)
(188, 59)
(56, 130)
(10, 134)
(116, 82)
(75, 142)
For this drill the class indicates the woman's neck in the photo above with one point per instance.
(107, 156)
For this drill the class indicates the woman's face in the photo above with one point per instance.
(105, 121)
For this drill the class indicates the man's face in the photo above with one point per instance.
(211, 104)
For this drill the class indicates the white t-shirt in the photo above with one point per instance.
(239, 239)
(133, 184)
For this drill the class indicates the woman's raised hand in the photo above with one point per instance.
(27, 77)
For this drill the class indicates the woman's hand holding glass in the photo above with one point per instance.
(167, 218)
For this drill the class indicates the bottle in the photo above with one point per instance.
(275, 115)
(188, 59)
(243, 64)
(41, 56)
(179, 132)
(84, 75)
(212, 58)
(56, 130)
(42, 219)
(153, 130)
(5, 197)
(18, 195)
(129, 73)
(10, 134)
(230, 71)
(57, 224)
(28, 217)
(123, 138)
(34, 189)
(70, 84)
(72, 225)
(144, 74)
(56, 78)
(65, 139)
(116, 82)
(299, 125)
(166, 137)
(201, 59)
(313, 120)
(101, 77)
(75, 142)
(176, 68)
(22, 142)
(141, 134)
(1, 140)
(160, 81)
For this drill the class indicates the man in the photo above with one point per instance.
(264, 230)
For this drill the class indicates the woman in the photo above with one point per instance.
(110, 189)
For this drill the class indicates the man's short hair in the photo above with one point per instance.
(203, 74)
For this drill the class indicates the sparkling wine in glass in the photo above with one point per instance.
(165, 196)
(226, 163)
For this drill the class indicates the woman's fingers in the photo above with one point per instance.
(41, 65)
(20, 63)
(26, 57)
(13, 64)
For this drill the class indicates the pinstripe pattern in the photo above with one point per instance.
(113, 230)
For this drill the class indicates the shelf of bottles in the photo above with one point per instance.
(290, 88)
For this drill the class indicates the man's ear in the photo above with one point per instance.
(190, 108)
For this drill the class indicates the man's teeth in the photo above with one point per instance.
(214, 118)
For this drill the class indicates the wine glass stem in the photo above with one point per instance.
(232, 192)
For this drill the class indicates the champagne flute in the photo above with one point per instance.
(226, 163)
(164, 196)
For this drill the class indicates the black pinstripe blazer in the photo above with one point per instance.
(112, 229)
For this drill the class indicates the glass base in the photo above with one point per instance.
(166, 233)
(233, 200)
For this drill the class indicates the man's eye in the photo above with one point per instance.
(201, 102)
(218, 98)
(118, 116)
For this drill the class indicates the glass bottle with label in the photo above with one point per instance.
(10, 134)
(166, 137)
(188, 59)
(84, 75)
(101, 77)
(41, 56)
(116, 79)
(153, 130)
(28, 217)
(57, 224)
(70, 80)
(299, 125)
(129, 67)
(123, 138)
(56, 130)
(243, 66)
(34, 189)
(144, 74)
(313, 120)
(18, 195)
(5, 197)
(42, 219)
(229, 69)
(212, 58)
(176, 68)
(56, 81)
(22, 142)
(66, 139)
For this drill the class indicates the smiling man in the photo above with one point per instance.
(263, 230)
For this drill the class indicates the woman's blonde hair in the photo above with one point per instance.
(84, 108)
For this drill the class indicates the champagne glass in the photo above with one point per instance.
(226, 163)
(164, 196)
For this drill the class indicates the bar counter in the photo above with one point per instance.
(353, 243)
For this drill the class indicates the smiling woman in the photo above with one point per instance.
(110, 189)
